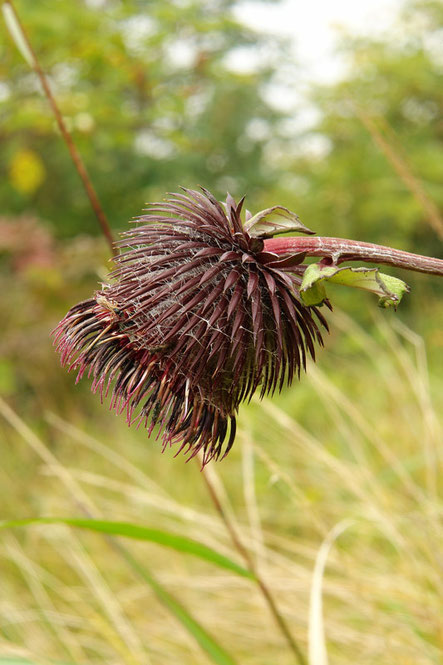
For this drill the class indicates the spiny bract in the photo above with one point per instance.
(195, 317)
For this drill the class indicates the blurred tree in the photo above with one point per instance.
(343, 182)
(153, 102)
(151, 98)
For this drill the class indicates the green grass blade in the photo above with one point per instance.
(137, 532)
(217, 654)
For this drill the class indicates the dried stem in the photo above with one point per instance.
(31, 57)
(338, 250)
(237, 542)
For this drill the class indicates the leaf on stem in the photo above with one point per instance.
(271, 221)
(389, 289)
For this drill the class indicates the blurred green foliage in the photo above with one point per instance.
(153, 102)
(350, 188)
(149, 97)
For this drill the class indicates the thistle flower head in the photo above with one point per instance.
(195, 318)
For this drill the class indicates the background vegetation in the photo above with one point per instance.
(153, 102)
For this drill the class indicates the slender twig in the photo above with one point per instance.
(243, 551)
(33, 61)
(338, 250)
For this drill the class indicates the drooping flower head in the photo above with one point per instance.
(195, 318)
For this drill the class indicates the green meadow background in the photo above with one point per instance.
(153, 100)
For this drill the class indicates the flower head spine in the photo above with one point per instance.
(195, 318)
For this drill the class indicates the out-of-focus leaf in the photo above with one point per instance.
(16, 33)
(7, 377)
(26, 171)
(389, 289)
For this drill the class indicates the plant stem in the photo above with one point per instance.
(337, 250)
(31, 57)
(238, 544)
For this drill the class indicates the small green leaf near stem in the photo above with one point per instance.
(389, 289)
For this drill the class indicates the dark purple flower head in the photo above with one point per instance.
(195, 318)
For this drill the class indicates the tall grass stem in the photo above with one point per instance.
(243, 551)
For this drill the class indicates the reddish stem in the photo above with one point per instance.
(338, 250)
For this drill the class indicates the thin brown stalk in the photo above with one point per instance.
(245, 554)
(74, 153)
(338, 250)
(403, 170)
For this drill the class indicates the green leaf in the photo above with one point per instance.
(389, 289)
(217, 654)
(137, 532)
(272, 221)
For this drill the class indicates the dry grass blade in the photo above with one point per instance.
(318, 654)
(125, 640)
